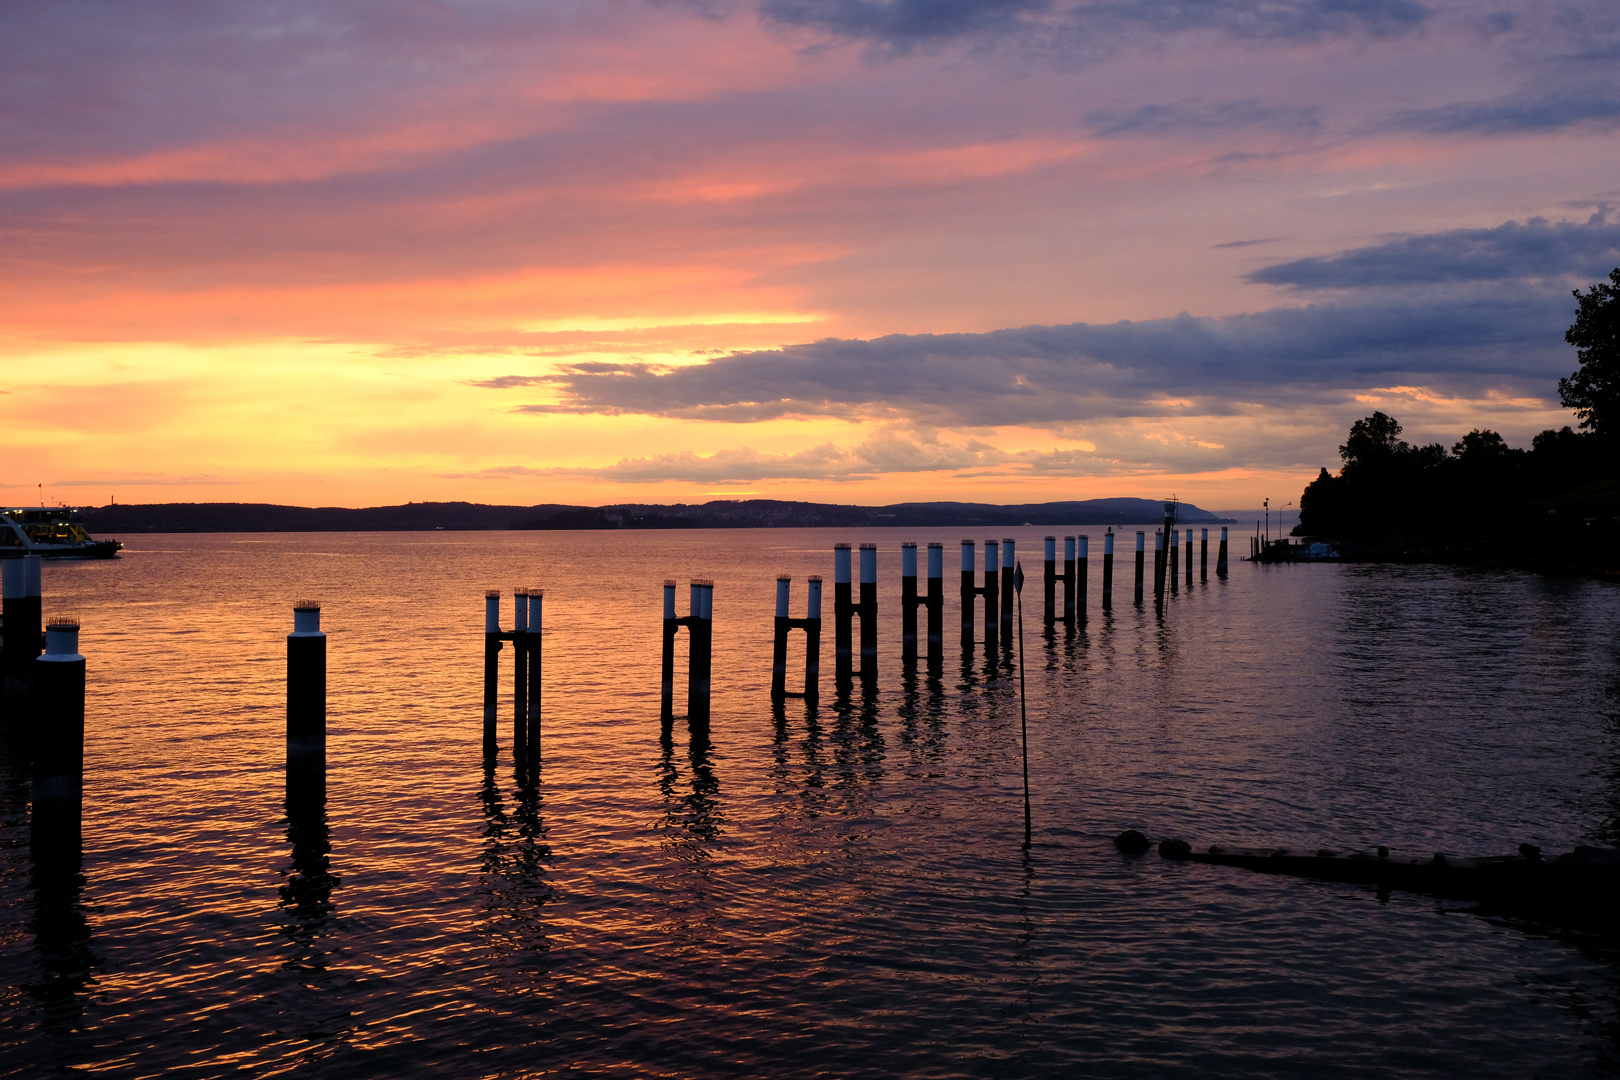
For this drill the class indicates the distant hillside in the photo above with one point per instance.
(109, 521)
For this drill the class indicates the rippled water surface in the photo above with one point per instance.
(836, 891)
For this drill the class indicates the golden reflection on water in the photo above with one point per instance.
(807, 887)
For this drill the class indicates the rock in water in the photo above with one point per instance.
(1132, 842)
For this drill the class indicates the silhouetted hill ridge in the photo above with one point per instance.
(717, 514)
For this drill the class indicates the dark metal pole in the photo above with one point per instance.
(869, 607)
(1220, 555)
(969, 591)
(671, 625)
(306, 691)
(908, 602)
(1140, 540)
(534, 651)
(492, 668)
(1108, 570)
(520, 676)
(1049, 578)
(1203, 554)
(812, 642)
(58, 747)
(843, 616)
(1082, 572)
(936, 605)
(784, 621)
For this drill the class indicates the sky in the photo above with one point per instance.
(523, 251)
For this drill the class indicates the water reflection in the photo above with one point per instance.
(308, 882)
(515, 885)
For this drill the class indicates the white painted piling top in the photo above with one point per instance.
(1203, 534)
(669, 598)
(1175, 538)
(1007, 554)
(307, 620)
(967, 556)
(1189, 536)
(492, 611)
(537, 598)
(784, 593)
(1223, 532)
(1158, 539)
(1108, 542)
(1139, 537)
(1068, 548)
(1085, 547)
(62, 640)
(1051, 547)
(908, 560)
(20, 577)
(936, 560)
(841, 564)
(868, 564)
(520, 612)
(813, 607)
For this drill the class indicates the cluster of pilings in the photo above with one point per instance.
(528, 626)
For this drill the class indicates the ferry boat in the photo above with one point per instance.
(52, 533)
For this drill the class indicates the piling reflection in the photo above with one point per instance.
(515, 885)
(307, 881)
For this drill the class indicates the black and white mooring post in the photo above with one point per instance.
(1007, 563)
(843, 619)
(1140, 539)
(1049, 580)
(533, 653)
(784, 619)
(969, 591)
(1108, 570)
(520, 674)
(1172, 564)
(671, 624)
(1082, 571)
(908, 602)
(992, 597)
(1159, 556)
(58, 743)
(936, 604)
(700, 665)
(306, 691)
(1220, 555)
(492, 666)
(1189, 558)
(869, 607)
(1203, 554)
(811, 625)
(21, 609)
(1068, 580)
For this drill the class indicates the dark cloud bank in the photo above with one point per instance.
(1466, 311)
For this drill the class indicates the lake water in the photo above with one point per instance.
(837, 891)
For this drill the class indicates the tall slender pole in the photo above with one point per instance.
(671, 625)
(968, 592)
(1220, 555)
(1008, 561)
(1203, 555)
(1082, 572)
(1023, 700)
(1139, 542)
(520, 676)
(869, 605)
(1049, 579)
(1068, 581)
(992, 597)
(812, 642)
(843, 616)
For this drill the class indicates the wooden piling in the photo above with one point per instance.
(936, 605)
(671, 626)
(1082, 572)
(1220, 555)
(1068, 580)
(700, 663)
(534, 652)
(843, 616)
(520, 675)
(992, 597)
(1203, 554)
(969, 591)
(784, 621)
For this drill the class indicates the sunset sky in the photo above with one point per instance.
(523, 251)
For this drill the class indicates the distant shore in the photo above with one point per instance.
(718, 514)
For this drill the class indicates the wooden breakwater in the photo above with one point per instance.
(1583, 883)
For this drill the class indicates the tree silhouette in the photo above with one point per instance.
(1593, 391)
